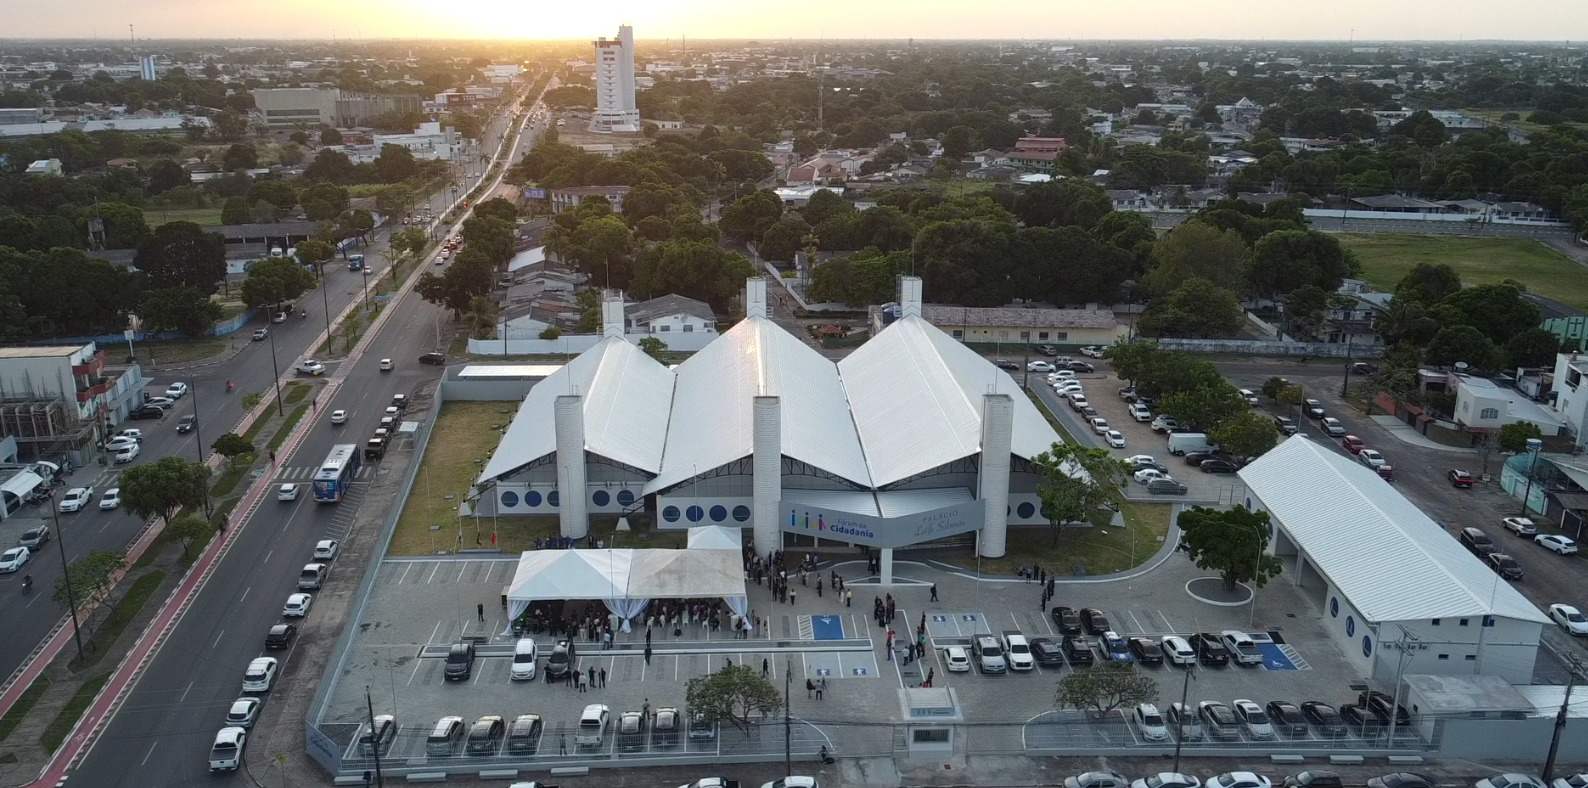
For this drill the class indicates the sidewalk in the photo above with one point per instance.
(1405, 433)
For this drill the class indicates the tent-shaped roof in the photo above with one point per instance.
(917, 393)
(715, 537)
(678, 574)
(571, 574)
(713, 403)
(626, 404)
(1389, 559)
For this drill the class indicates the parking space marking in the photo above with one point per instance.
(433, 571)
(461, 570)
(829, 627)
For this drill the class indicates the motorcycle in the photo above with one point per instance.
(27, 584)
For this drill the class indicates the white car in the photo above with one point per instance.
(1072, 391)
(1039, 366)
(385, 365)
(338, 417)
(260, 675)
(1100, 425)
(176, 390)
(1150, 722)
(1148, 474)
(1168, 780)
(957, 659)
(1332, 426)
(133, 433)
(127, 454)
(163, 403)
(226, 754)
(111, 498)
(14, 559)
(1178, 650)
(1115, 438)
(1555, 543)
(118, 443)
(309, 366)
(1250, 397)
(792, 781)
(1060, 374)
(1092, 351)
(1142, 459)
(244, 712)
(75, 499)
(326, 549)
(297, 606)
(1256, 721)
(1238, 780)
(279, 317)
(287, 492)
(260, 334)
(1510, 781)
(1371, 459)
(1569, 618)
(1521, 526)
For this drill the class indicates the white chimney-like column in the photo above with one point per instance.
(572, 514)
(612, 322)
(755, 298)
(997, 437)
(766, 463)
(909, 296)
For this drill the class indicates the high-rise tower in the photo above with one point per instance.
(614, 84)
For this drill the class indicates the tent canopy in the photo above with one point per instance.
(681, 574)
(570, 574)
(715, 537)
(626, 580)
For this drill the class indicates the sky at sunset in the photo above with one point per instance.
(1551, 20)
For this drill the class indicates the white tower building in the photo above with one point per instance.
(614, 84)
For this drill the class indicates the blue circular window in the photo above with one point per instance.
(741, 513)
(551, 498)
(670, 514)
(694, 514)
(509, 499)
(1367, 646)
(1027, 510)
(1350, 626)
(1334, 607)
(531, 498)
(601, 497)
(625, 497)
(719, 513)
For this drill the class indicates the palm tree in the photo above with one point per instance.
(483, 317)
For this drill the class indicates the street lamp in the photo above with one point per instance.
(66, 571)
(280, 407)
(365, 270)
(325, 298)
(1533, 447)
(198, 434)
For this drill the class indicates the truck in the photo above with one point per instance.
(1182, 443)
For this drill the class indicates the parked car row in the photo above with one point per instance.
(1313, 778)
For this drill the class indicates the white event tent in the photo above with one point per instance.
(627, 580)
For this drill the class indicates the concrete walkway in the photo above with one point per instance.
(1405, 433)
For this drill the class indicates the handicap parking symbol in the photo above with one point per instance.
(862, 671)
(940, 619)
(968, 617)
(824, 671)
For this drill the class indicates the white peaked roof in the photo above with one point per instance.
(571, 574)
(675, 574)
(715, 537)
(713, 402)
(1389, 559)
(917, 393)
(626, 403)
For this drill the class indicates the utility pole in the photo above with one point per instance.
(1180, 726)
(369, 705)
(788, 739)
(1573, 666)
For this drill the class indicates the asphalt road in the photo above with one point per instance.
(162, 733)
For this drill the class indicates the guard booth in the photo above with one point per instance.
(932, 718)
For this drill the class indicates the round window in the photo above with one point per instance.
(1334, 607)
(1367, 646)
(670, 514)
(601, 498)
(531, 498)
(719, 513)
(509, 499)
(694, 514)
(1350, 626)
(551, 498)
(625, 497)
(741, 513)
(1027, 510)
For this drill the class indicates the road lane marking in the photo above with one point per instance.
(186, 691)
(149, 754)
(245, 594)
(218, 639)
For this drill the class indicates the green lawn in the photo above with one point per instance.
(1386, 257)
(204, 217)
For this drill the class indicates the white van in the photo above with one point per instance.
(525, 655)
(1182, 443)
(444, 738)
(592, 725)
(313, 576)
(989, 654)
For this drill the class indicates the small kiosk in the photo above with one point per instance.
(931, 717)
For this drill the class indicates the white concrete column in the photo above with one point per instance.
(612, 323)
(572, 514)
(755, 298)
(909, 296)
(767, 469)
(997, 435)
(885, 577)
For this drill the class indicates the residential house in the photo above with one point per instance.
(1482, 405)
(45, 167)
(1395, 203)
(1042, 144)
(1023, 326)
(670, 314)
(1571, 395)
(1522, 212)
(1032, 161)
(570, 197)
(1129, 200)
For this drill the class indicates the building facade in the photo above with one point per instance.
(1016, 326)
(615, 108)
(56, 401)
(286, 108)
(569, 198)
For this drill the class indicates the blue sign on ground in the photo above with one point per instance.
(1274, 658)
(940, 619)
(827, 627)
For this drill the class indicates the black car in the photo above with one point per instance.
(185, 424)
(1147, 651)
(1323, 718)
(1081, 366)
(1196, 458)
(147, 412)
(1219, 720)
(1361, 368)
(1137, 465)
(1286, 718)
(1403, 780)
(1004, 363)
(1095, 622)
(460, 661)
(1218, 466)
(1078, 650)
(1210, 649)
(1505, 565)
(1380, 704)
(280, 636)
(1314, 778)
(1313, 409)
(1359, 721)
(1047, 652)
(486, 735)
(1067, 620)
(1286, 425)
(558, 662)
(433, 359)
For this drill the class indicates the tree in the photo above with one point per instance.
(356, 223)
(1106, 687)
(274, 281)
(589, 303)
(1249, 434)
(958, 142)
(654, 347)
(330, 166)
(483, 317)
(1422, 128)
(1462, 343)
(1204, 408)
(1197, 308)
(1131, 359)
(603, 248)
(1285, 260)
(395, 163)
(165, 175)
(125, 226)
(395, 200)
(786, 236)
(189, 527)
(1196, 250)
(1428, 284)
(185, 309)
(551, 332)
(825, 204)
(314, 252)
(696, 269)
(1498, 310)
(1062, 203)
(160, 488)
(733, 694)
(410, 241)
(1532, 347)
(235, 211)
(330, 136)
(497, 208)
(241, 157)
(1077, 482)
(92, 577)
(279, 194)
(745, 219)
(231, 446)
(1514, 436)
(1232, 542)
(182, 254)
(230, 125)
(1274, 388)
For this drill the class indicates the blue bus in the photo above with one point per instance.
(336, 474)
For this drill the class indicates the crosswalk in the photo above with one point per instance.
(303, 473)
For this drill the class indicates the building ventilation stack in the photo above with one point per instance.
(909, 296)
(997, 434)
(569, 424)
(767, 468)
(612, 323)
(755, 298)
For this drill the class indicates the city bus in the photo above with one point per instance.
(336, 474)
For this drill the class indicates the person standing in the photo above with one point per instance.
(849, 598)
(934, 592)
(480, 609)
(810, 687)
(766, 667)
(647, 653)
(603, 678)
